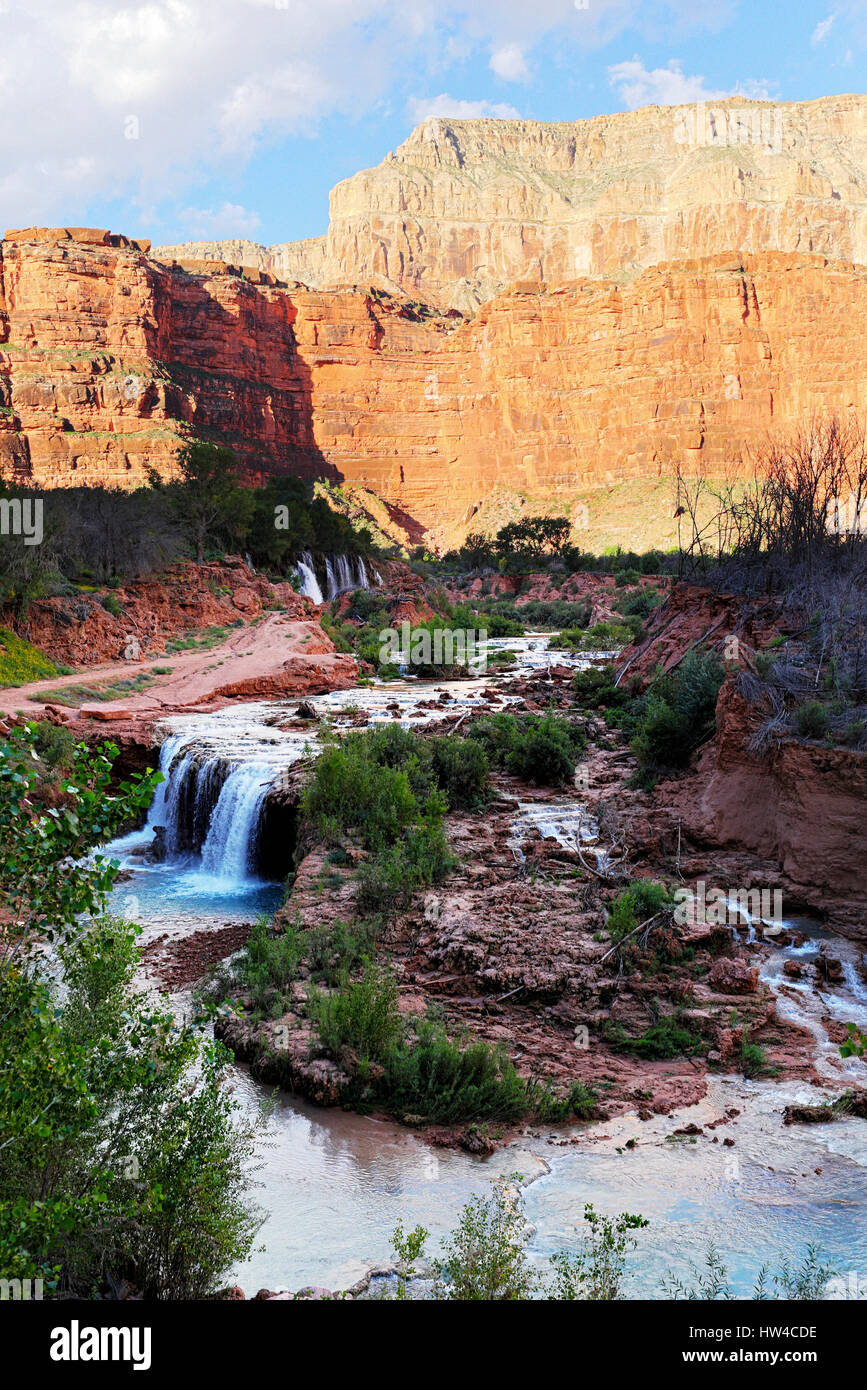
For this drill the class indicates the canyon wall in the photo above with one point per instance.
(109, 359)
(462, 208)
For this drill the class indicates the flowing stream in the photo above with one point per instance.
(333, 1185)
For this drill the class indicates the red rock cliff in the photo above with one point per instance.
(108, 359)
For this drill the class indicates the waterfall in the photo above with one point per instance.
(231, 838)
(332, 582)
(207, 806)
(338, 576)
(344, 571)
(338, 569)
(309, 582)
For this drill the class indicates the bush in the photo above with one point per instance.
(361, 1015)
(351, 791)
(595, 687)
(640, 604)
(556, 614)
(539, 748)
(812, 720)
(485, 1257)
(570, 639)
(419, 860)
(448, 1083)
(635, 904)
(666, 1038)
(461, 769)
(678, 713)
(112, 604)
(607, 636)
(270, 964)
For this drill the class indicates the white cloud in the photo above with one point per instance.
(420, 108)
(668, 86)
(509, 63)
(226, 223)
(821, 31)
(138, 102)
(671, 86)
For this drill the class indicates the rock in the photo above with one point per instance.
(792, 970)
(577, 372)
(729, 976)
(829, 968)
(306, 711)
(476, 1142)
(464, 207)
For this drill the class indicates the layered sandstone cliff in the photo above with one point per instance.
(462, 208)
(108, 359)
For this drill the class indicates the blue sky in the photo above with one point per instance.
(188, 119)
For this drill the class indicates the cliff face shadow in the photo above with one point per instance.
(236, 375)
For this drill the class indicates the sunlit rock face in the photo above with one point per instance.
(109, 359)
(463, 208)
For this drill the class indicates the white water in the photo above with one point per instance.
(232, 827)
(339, 576)
(309, 583)
(334, 1185)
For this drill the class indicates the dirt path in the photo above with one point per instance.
(272, 657)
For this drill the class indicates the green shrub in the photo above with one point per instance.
(678, 713)
(812, 720)
(539, 748)
(556, 614)
(270, 964)
(570, 639)
(449, 1083)
(642, 899)
(361, 1015)
(337, 948)
(606, 636)
(461, 769)
(666, 1038)
(639, 604)
(55, 745)
(420, 859)
(595, 686)
(350, 791)
(112, 604)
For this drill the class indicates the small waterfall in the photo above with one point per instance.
(309, 583)
(228, 850)
(208, 806)
(338, 569)
(332, 582)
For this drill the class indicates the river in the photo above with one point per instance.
(333, 1184)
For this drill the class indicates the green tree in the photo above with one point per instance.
(121, 1154)
(207, 494)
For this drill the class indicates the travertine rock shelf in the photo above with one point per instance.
(462, 208)
(108, 359)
